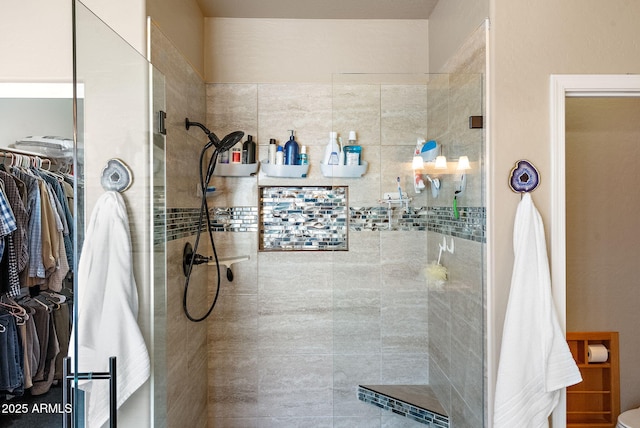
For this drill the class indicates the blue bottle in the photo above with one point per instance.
(352, 152)
(291, 151)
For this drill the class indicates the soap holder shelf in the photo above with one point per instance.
(344, 171)
(236, 169)
(285, 171)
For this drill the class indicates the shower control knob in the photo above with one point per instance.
(189, 258)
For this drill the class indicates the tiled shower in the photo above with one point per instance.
(297, 331)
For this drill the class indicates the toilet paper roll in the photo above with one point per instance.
(597, 353)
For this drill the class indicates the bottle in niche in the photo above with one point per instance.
(332, 151)
(224, 156)
(249, 150)
(303, 157)
(352, 151)
(291, 151)
(273, 148)
(236, 154)
(279, 156)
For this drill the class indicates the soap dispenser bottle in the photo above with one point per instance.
(291, 151)
(332, 151)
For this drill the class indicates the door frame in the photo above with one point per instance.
(561, 87)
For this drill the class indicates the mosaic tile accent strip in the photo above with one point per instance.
(404, 409)
(303, 218)
(471, 225)
(182, 222)
(384, 218)
(234, 219)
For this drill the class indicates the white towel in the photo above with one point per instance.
(535, 360)
(108, 309)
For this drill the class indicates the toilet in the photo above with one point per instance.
(629, 419)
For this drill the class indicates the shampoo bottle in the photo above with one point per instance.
(279, 156)
(332, 151)
(224, 157)
(249, 150)
(236, 154)
(273, 148)
(352, 152)
(291, 151)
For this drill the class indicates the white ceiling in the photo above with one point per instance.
(318, 9)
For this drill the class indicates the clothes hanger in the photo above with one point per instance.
(15, 309)
(56, 298)
(47, 307)
(6, 155)
(51, 304)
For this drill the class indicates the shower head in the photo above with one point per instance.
(230, 140)
(224, 145)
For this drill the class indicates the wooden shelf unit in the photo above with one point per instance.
(594, 402)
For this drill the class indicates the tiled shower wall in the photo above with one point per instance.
(184, 345)
(295, 333)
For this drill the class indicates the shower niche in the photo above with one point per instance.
(303, 218)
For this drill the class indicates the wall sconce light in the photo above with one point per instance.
(441, 162)
(418, 162)
(461, 178)
(425, 152)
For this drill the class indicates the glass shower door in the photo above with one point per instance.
(122, 96)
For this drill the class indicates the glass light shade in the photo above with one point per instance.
(441, 162)
(463, 163)
(418, 162)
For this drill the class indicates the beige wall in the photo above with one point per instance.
(38, 51)
(183, 24)
(451, 23)
(126, 17)
(529, 41)
(602, 150)
(36, 37)
(310, 50)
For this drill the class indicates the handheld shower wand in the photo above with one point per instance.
(191, 256)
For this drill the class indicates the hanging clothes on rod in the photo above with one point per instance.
(36, 258)
(50, 225)
(41, 329)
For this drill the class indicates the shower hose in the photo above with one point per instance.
(195, 258)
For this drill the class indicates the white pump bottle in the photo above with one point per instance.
(332, 151)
